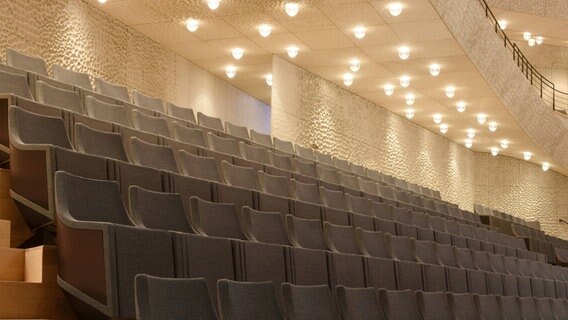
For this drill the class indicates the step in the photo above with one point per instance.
(5, 231)
(9, 211)
(12, 264)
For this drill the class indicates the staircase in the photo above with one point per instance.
(28, 286)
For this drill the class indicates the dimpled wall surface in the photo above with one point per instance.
(78, 36)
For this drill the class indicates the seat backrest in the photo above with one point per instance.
(180, 112)
(359, 205)
(32, 128)
(224, 145)
(388, 179)
(463, 306)
(465, 258)
(488, 307)
(16, 84)
(92, 200)
(447, 255)
(386, 192)
(237, 131)
(434, 306)
(306, 168)
(402, 215)
(305, 233)
(283, 146)
(348, 181)
(328, 175)
(99, 143)
(308, 302)
(236, 176)
(247, 300)
(527, 307)
(304, 191)
(276, 185)
(381, 210)
(185, 134)
(426, 251)
(267, 227)
(154, 125)
(497, 263)
(332, 199)
(544, 308)
(323, 158)
(147, 102)
(373, 175)
(21, 61)
(280, 161)
(161, 298)
(71, 77)
(61, 98)
(399, 304)
(112, 90)
(358, 303)
(341, 164)
(400, 247)
(210, 122)
(260, 138)
(372, 243)
(215, 219)
(199, 167)
(304, 152)
(340, 239)
(252, 153)
(560, 308)
(368, 186)
(158, 210)
(152, 155)
(421, 220)
(107, 112)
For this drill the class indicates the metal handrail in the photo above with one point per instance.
(545, 88)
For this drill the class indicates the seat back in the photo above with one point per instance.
(426, 251)
(154, 125)
(341, 164)
(328, 175)
(24, 62)
(306, 168)
(210, 122)
(463, 306)
(358, 303)
(261, 138)
(434, 305)
(112, 90)
(332, 199)
(185, 134)
(400, 247)
(283, 146)
(199, 167)
(304, 191)
(243, 177)
(237, 131)
(180, 112)
(372, 243)
(71, 77)
(223, 145)
(359, 205)
(147, 102)
(308, 302)
(488, 307)
(276, 185)
(324, 158)
(399, 304)
(247, 300)
(340, 239)
(447, 255)
(304, 152)
(152, 155)
(280, 161)
(31, 128)
(100, 143)
(215, 219)
(107, 112)
(267, 227)
(252, 153)
(305, 233)
(61, 98)
(15, 84)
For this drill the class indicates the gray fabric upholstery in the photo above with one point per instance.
(100, 143)
(252, 153)
(31, 128)
(158, 210)
(243, 177)
(400, 305)
(306, 168)
(332, 199)
(192, 136)
(280, 161)
(223, 145)
(305, 191)
(60, 98)
(180, 112)
(368, 186)
(488, 307)
(283, 146)
(328, 175)
(372, 243)
(402, 215)
(267, 227)
(305, 233)
(210, 122)
(341, 164)
(544, 308)
(147, 102)
(359, 205)
(169, 298)
(15, 84)
(106, 111)
(434, 306)
(323, 158)
(348, 181)
(152, 155)
(340, 239)
(260, 138)
(275, 185)
(199, 167)
(154, 125)
(358, 303)
(237, 131)
(560, 308)
(527, 306)
(215, 219)
(308, 302)
(248, 300)
(112, 90)
(401, 248)
(463, 306)
(77, 79)
(306, 153)
(21, 61)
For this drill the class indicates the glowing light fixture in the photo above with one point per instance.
(437, 118)
(213, 4)
(492, 126)
(404, 81)
(404, 52)
(269, 79)
(292, 9)
(532, 42)
(389, 89)
(505, 144)
(450, 91)
(231, 71)
(545, 166)
(471, 133)
(468, 143)
(503, 24)
(395, 8)
(434, 69)
(444, 128)
(527, 36)
(355, 65)
(192, 24)
(527, 155)
(481, 118)
(102, 1)
(410, 99)
(494, 151)
(539, 40)
(360, 32)
(348, 79)
(237, 53)
(410, 113)
(461, 106)
(265, 30)
(292, 51)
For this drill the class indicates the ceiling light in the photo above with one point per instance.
(461, 106)
(527, 155)
(192, 25)
(359, 32)
(404, 52)
(269, 79)
(404, 81)
(450, 91)
(355, 65)
(410, 99)
(238, 53)
(389, 89)
(437, 118)
(539, 40)
(434, 69)
(395, 8)
(410, 113)
(471, 133)
(492, 126)
(444, 128)
(527, 36)
(231, 71)
(494, 151)
(348, 79)
(292, 9)
(481, 118)
(545, 166)
(503, 24)
(102, 1)
(264, 30)
(468, 143)
(213, 4)
(505, 144)
(532, 42)
(292, 51)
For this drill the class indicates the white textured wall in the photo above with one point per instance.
(81, 37)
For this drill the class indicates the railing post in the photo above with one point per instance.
(541, 88)
(553, 98)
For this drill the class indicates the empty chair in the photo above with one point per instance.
(260, 138)
(463, 306)
(340, 239)
(349, 182)
(237, 131)
(77, 79)
(61, 98)
(434, 275)
(511, 308)
(180, 112)
(280, 161)
(107, 112)
(155, 125)
(243, 177)
(476, 279)
(341, 164)
(283, 146)
(112, 90)
(99, 143)
(276, 185)
(323, 158)
(266, 227)
(358, 170)
(308, 302)
(528, 309)
(434, 305)
(358, 303)
(152, 155)
(37, 129)
(305, 233)
(247, 300)
(560, 308)
(360, 205)
(210, 122)
(399, 305)
(215, 219)
(147, 102)
(332, 199)
(192, 136)
(305, 191)
(409, 274)
(306, 168)
(252, 153)
(488, 307)
(21, 61)
(544, 308)
(510, 286)
(223, 145)
(16, 84)
(199, 167)
(456, 277)
(328, 175)
(306, 153)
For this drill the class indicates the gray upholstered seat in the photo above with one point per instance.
(306, 168)
(71, 77)
(215, 219)
(358, 170)
(283, 146)
(24, 62)
(180, 112)
(99, 143)
(267, 227)
(340, 239)
(341, 164)
(324, 158)
(252, 153)
(463, 306)
(276, 185)
(152, 155)
(560, 308)
(147, 102)
(185, 134)
(170, 298)
(544, 308)
(280, 161)
(243, 177)
(210, 122)
(32, 128)
(260, 138)
(332, 199)
(348, 181)
(308, 302)
(15, 84)
(237, 131)
(527, 308)
(372, 244)
(61, 98)
(107, 112)
(360, 205)
(305, 233)
(304, 152)
(146, 123)
(112, 90)
(369, 187)
(399, 304)
(199, 167)
(223, 145)
(475, 278)
(305, 191)
(248, 300)
(488, 307)
(358, 303)
(328, 175)
(409, 275)
(434, 306)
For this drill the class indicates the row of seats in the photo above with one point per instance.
(161, 298)
(486, 211)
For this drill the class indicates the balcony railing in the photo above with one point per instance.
(557, 99)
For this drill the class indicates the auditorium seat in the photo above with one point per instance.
(281, 161)
(16, 84)
(510, 286)
(456, 276)
(305, 153)
(560, 308)
(99, 143)
(358, 303)
(462, 306)
(476, 279)
(254, 153)
(150, 124)
(152, 155)
(215, 219)
(305, 233)
(237, 176)
(265, 227)
(434, 274)
(399, 305)
(511, 308)
(210, 122)
(248, 300)
(349, 183)
(61, 98)
(408, 271)
(387, 195)
(324, 158)
(185, 134)
(308, 302)
(176, 111)
(112, 90)
(340, 239)
(494, 280)
(240, 132)
(276, 185)
(147, 102)
(170, 298)
(77, 79)
(199, 167)
(107, 112)
(305, 191)
(283, 146)
(260, 138)
(342, 164)
(433, 306)
(488, 307)
(223, 145)
(529, 310)
(358, 170)
(24, 62)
